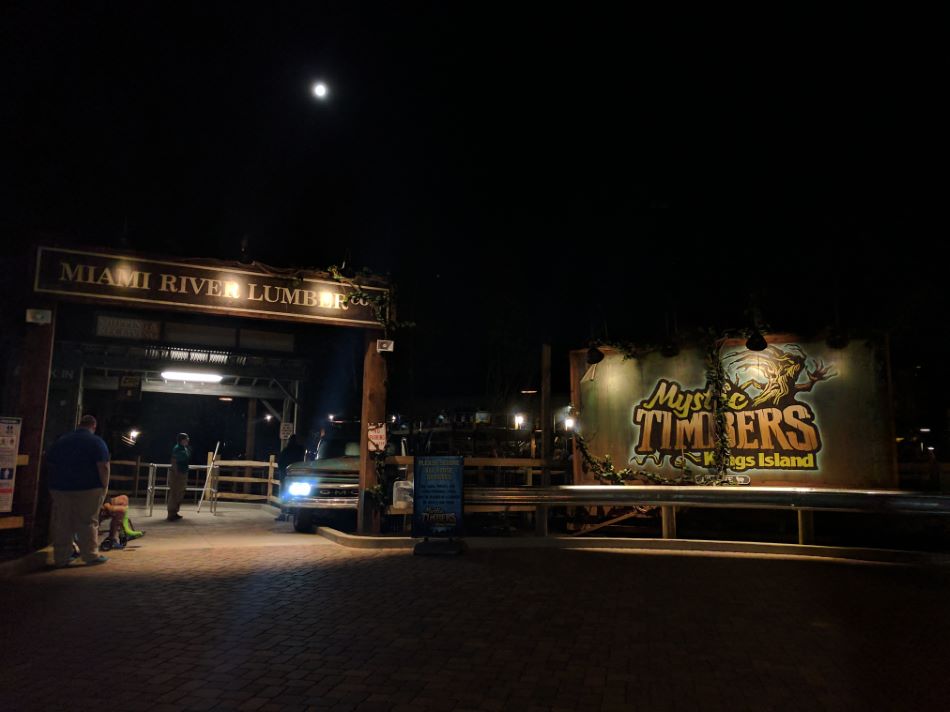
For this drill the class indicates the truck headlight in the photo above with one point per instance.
(299, 489)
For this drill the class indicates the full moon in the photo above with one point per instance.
(320, 90)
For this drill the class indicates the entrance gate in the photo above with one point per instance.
(49, 400)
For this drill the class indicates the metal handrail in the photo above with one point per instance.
(803, 498)
(152, 487)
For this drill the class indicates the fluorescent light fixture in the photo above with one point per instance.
(193, 376)
(226, 399)
(925, 430)
(529, 392)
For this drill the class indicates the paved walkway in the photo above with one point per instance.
(280, 621)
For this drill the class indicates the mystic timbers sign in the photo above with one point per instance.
(767, 426)
(794, 413)
(205, 286)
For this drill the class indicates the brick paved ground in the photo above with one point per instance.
(316, 626)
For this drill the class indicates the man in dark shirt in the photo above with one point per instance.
(78, 482)
(178, 475)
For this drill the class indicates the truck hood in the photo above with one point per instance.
(315, 467)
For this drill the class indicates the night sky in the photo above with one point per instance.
(524, 175)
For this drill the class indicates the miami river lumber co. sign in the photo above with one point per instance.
(242, 291)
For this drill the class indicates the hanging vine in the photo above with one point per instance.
(380, 302)
(377, 492)
(717, 383)
(604, 469)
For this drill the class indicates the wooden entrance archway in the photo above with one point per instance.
(173, 284)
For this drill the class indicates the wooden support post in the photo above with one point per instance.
(250, 432)
(668, 514)
(806, 526)
(33, 376)
(578, 364)
(372, 411)
(547, 419)
(135, 486)
(269, 489)
(547, 437)
(209, 464)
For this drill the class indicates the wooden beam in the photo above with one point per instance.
(547, 436)
(272, 410)
(668, 521)
(35, 364)
(595, 527)
(806, 526)
(372, 411)
(250, 430)
(547, 419)
(578, 362)
(111, 383)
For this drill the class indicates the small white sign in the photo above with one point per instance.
(39, 316)
(385, 345)
(286, 430)
(377, 437)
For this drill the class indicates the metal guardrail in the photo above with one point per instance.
(808, 498)
(803, 500)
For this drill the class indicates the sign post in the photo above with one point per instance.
(437, 504)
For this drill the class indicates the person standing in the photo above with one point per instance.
(78, 483)
(178, 475)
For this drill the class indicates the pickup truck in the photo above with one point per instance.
(329, 485)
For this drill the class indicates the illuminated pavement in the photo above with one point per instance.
(207, 621)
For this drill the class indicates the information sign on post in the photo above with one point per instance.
(9, 445)
(437, 499)
(377, 437)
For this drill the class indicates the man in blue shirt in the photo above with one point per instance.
(78, 482)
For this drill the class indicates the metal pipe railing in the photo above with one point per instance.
(153, 488)
(808, 498)
(803, 500)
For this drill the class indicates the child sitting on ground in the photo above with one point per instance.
(116, 509)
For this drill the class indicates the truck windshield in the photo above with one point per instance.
(328, 449)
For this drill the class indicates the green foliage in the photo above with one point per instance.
(378, 494)
(605, 471)
(380, 303)
(716, 382)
